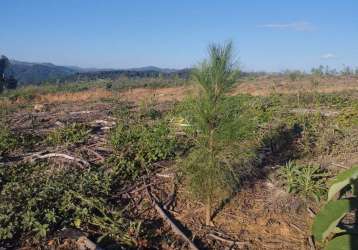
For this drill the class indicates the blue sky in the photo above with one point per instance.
(268, 35)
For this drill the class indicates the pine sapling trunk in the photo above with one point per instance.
(208, 211)
(209, 200)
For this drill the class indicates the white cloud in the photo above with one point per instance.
(328, 56)
(302, 26)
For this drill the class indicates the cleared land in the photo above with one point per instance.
(312, 121)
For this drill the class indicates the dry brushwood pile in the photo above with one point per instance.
(112, 172)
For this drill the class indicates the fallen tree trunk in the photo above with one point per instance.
(165, 217)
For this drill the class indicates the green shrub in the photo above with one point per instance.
(138, 145)
(7, 140)
(348, 117)
(294, 75)
(36, 200)
(108, 86)
(28, 140)
(121, 110)
(74, 133)
(311, 126)
(315, 100)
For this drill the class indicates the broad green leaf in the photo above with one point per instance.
(344, 242)
(342, 180)
(329, 216)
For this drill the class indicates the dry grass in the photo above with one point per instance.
(261, 86)
(261, 214)
(134, 95)
(161, 94)
(84, 96)
(259, 210)
(266, 85)
(5, 104)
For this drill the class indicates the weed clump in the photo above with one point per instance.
(37, 200)
(147, 108)
(138, 145)
(74, 133)
(308, 181)
(7, 140)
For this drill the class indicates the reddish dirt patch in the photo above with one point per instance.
(160, 94)
(266, 85)
(260, 216)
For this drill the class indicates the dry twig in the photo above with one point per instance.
(231, 242)
(296, 227)
(100, 157)
(311, 243)
(310, 212)
(165, 217)
(68, 157)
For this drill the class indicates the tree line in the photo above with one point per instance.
(6, 82)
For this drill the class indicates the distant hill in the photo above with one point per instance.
(153, 68)
(130, 73)
(37, 73)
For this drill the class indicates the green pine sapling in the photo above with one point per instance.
(208, 167)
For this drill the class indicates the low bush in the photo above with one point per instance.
(138, 145)
(7, 140)
(71, 134)
(295, 75)
(37, 200)
(348, 117)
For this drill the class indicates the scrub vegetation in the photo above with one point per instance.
(220, 159)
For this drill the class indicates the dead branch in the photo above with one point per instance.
(60, 124)
(103, 149)
(100, 157)
(165, 217)
(310, 212)
(68, 157)
(296, 227)
(339, 165)
(170, 175)
(171, 197)
(311, 243)
(327, 113)
(169, 201)
(157, 164)
(104, 122)
(81, 112)
(231, 242)
(141, 188)
(136, 188)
